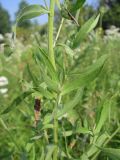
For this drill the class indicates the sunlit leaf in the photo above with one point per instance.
(76, 5)
(83, 130)
(80, 80)
(85, 30)
(31, 11)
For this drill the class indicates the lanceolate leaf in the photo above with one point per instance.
(17, 101)
(51, 84)
(43, 57)
(99, 142)
(80, 80)
(41, 92)
(30, 12)
(70, 105)
(85, 30)
(103, 116)
(83, 130)
(42, 154)
(33, 78)
(77, 5)
(68, 50)
(112, 153)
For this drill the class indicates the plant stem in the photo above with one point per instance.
(58, 33)
(50, 32)
(55, 154)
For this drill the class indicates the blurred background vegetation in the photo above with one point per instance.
(16, 130)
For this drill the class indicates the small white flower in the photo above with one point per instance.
(3, 81)
(3, 90)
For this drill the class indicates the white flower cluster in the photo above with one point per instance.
(3, 83)
(112, 33)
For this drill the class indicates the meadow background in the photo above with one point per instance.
(19, 72)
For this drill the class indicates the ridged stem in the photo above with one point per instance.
(50, 32)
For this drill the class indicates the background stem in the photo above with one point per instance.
(50, 32)
(58, 33)
(55, 154)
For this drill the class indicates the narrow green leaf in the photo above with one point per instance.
(36, 137)
(47, 126)
(47, 119)
(70, 105)
(99, 142)
(67, 133)
(7, 154)
(51, 84)
(33, 78)
(43, 58)
(83, 130)
(80, 80)
(42, 154)
(77, 5)
(40, 91)
(50, 152)
(68, 50)
(103, 116)
(32, 154)
(85, 30)
(17, 101)
(112, 153)
(3, 124)
(30, 12)
(84, 157)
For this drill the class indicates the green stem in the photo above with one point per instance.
(58, 33)
(55, 154)
(50, 32)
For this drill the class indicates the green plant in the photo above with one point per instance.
(62, 88)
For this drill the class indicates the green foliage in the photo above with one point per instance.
(85, 30)
(5, 24)
(85, 78)
(112, 153)
(30, 12)
(112, 16)
(26, 24)
(79, 110)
